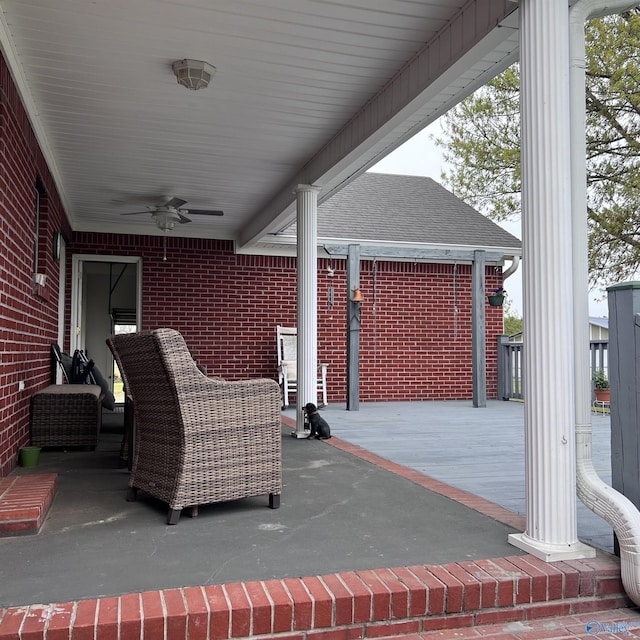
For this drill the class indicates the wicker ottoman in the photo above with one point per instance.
(66, 415)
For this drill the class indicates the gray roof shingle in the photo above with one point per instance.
(399, 208)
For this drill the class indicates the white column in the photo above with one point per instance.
(549, 387)
(307, 280)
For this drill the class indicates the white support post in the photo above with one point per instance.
(307, 281)
(551, 532)
(479, 330)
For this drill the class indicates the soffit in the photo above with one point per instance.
(305, 90)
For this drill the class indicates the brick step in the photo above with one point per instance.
(25, 502)
(398, 602)
(615, 623)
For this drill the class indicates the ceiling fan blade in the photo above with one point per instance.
(183, 219)
(203, 212)
(134, 213)
(176, 203)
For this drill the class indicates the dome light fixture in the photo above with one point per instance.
(193, 74)
(166, 218)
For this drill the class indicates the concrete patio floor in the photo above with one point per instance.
(394, 488)
(479, 450)
(338, 513)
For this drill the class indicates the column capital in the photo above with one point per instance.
(301, 188)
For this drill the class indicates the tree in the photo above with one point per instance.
(512, 321)
(512, 325)
(481, 143)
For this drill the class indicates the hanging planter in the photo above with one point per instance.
(496, 299)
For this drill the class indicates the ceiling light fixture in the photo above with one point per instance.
(193, 74)
(166, 218)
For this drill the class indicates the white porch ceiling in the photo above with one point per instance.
(305, 91)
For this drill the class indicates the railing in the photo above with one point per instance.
(600, 356)
(511, 372)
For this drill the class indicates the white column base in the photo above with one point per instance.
(551, 552)
(300, 434)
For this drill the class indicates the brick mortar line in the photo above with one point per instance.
(8, 488)
(495, 617)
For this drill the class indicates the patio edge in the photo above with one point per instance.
(481, 505)
(375, 603)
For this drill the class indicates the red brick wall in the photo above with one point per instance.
(416, 325)
(415, 338)
(28, 317)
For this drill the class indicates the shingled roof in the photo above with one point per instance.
(379, 207)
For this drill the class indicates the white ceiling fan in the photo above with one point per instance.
(167, 214)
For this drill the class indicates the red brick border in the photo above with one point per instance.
(384, 602)
(25, 501)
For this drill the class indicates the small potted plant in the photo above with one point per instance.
(601, 386)
(496, 298)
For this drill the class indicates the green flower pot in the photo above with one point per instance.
(29, 456)
(496, 301)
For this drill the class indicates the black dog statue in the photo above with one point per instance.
(320, 429)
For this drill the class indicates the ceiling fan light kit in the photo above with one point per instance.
(193, 74)
(165, 221)
(170, 212)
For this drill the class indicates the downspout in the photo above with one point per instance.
(602, 499)
(512, 268)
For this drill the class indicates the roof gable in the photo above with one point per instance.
(406, 209)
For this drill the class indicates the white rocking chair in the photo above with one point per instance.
(288, 369)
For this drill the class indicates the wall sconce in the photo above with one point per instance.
(357, 295)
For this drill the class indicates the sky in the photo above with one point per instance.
(420, 156)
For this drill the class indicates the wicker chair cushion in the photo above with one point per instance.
(108, 399)
(67, 362)
(80, 370)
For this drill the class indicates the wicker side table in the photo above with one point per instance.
(66, 415)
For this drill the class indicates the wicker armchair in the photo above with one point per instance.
(197, 440)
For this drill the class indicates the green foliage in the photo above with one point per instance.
(481, 143)
(512, 325)
(600, 380)
(512, 322)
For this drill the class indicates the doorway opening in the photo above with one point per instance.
(106, 299)
(120, 325)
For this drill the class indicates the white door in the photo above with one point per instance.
(102, 286)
